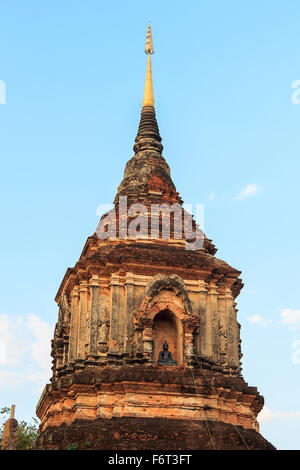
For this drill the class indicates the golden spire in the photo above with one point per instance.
(148, 92)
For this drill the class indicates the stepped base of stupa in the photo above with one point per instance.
(150, 407)
(151, 434)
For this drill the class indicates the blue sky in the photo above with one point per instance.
(223, 74)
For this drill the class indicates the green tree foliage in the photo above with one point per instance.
(26, 434)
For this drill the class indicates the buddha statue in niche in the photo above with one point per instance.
(165, 356)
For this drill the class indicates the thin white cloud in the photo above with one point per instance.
(25, 342)
(296, 353)
(40, 348)
(3, 353)
(212, 196)
(40, 380)
(14, 341)
(258, 320)
(9, 378)
(248, 190)
(267, 415)
(291, 317)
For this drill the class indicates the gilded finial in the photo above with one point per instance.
(148, 93)
(149, 44)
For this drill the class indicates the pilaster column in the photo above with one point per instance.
(82, 327)
(129, 286)
(204, 320)
(148, 340)
(103, 324)
(74, 324)
(222, 334)
(94, 315)
(114, 332)
(188, 342)
(213, 323)
(232, 329)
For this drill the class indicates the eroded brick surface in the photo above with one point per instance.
(152, 434)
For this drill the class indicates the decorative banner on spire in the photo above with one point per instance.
(149, 45)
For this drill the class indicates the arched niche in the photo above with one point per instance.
(167, 327)
(165, 305)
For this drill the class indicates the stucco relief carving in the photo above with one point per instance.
(59, 342)
(103, 330)
(172, 282)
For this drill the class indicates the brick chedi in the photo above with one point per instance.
(146, 349)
